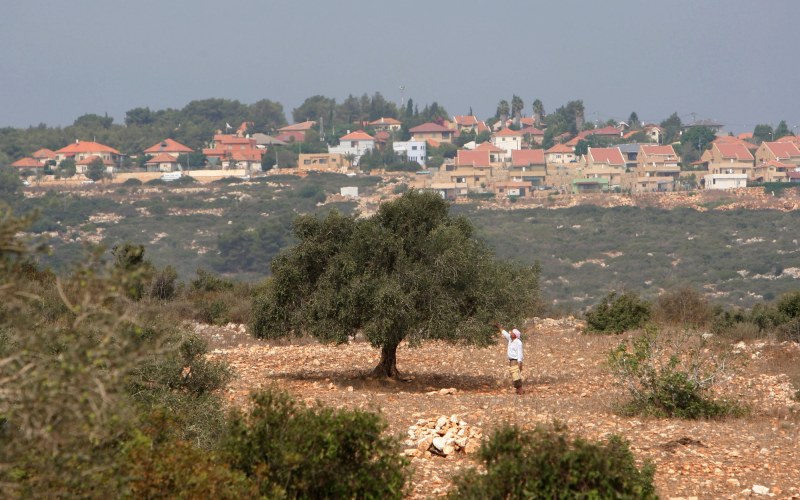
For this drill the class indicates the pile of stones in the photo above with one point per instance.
(443, 436)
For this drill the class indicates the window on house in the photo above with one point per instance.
(323, 161)
(353, 144)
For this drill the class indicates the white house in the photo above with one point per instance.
(414, 150)
(725, 180)
(355, 143)
(508, 140)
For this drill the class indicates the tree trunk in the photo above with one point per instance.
(387, 367)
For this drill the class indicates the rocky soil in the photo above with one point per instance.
(463, 392)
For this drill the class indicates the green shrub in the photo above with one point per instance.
(670, 375)
(789, 305)
(790, 331)
(545, 463)
(163, 285)
(618, 313)
(132, 182)
(209, 282)
(298, 452)
(400, 188)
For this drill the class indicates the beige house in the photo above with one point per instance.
(782, 152)
(516, 189)
(606, 163)
(729, 158)
(507, 140)
(560, 154)
(386, 125)
(80, 150)
(653, 132)
(772, 171)
(657, 168)
(162, 162)
(528, 165)
(433, 131)
(322, 162)
(168, 146)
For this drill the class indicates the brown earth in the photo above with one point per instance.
(566, 380)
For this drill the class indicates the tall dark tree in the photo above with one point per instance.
(503, 110)
(96, 170)
(672, 129)
(315, 107)
(763, 132)
(411, 272)
(266, 115)
(782, 130)
(516, 107)
(633, 121)
(538, 112)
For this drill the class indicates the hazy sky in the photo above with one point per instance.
(734, 61)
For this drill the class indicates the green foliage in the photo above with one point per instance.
(763, 132)
(163, 285)
(672, 129)
(209, 282)
(410, 272)
(618, 313)
(545, 463)
(132, 182)
(96, 170)
(67, 168)
(10, 185)
(670, 375)
(293, 451)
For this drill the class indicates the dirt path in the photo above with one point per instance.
(566, 380)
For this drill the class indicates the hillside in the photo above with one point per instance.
(566, 380)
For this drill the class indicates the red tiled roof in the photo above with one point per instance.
(386, 121)
(789, 138)
(735, 150)
(531, 131)
(27, 163)
(246, 155)
(482, 127)
(298, 127)
(474, 158)
(560, 148)
(358, 135)
(292, 135)
(784, 150)
(527, 121)
(229, 139)
(611, 156)
(525, 157)
(658, 150)
(162, 158)
(605, 131)
(777, 164)
(793, 175)
(45, 153)
(168, 146)
(428, 128)
(465, 120)
(488, 146)
(507, 132)
(89, 159)
(382, 136)
(433, 143)
(86, 147)
(745, 136)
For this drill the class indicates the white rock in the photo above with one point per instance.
(760, 490)
(733, 482)
(439, 443)
(449, 450)
(441, 422)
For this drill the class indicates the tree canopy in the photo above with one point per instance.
(411, 272)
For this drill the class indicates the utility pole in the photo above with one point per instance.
(402, 95)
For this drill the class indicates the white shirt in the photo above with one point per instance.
(514, 347)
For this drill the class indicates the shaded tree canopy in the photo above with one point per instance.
(411, 272)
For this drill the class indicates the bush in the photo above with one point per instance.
(132, 182)
(684, 306)
(210, 282)
(618, 313)
(670, 376)
(545, 463)
(163, 285)
(298, 452)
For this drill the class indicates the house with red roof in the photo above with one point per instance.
(223, 146)
(469, 123)
(729, 158)
(782, 152)
(80, 150)
(170, 147)
(473, 158)
(386, 125)
(653, 132)
(528, 165)
(295, 132)
(354, 144)
(606, 163)
(512, 189)
(45, 155)
(322, 162)
(496, 154)
(656, 169)
(560, 154)
(433, 131)
(507, 140)
(249, 159)
(82, 165)
(773, 171)
(532, 135)
(162, 162)
(28, 166)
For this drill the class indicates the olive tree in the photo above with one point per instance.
(410, 272)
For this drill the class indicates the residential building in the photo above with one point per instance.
(630, 152)
(532, 135)
(657, 168)
(413, 150)
(606, 163)
(82, 165)
(466, 123)
(433, 131)
(295, 132)
(386, 124)
(28, 166)
(264, 141)
(248, 159)
(783, 152)
(162, 162)
(507, 140)
(772, 171)
(80, 150)
(560, 154)
(496, 154)
(729, 158)
(513, 189)
(473, 158)
(354, 144)
(528, 165)
(223, 146)
(724, 180)
(322, 162)
(170, 147)
(45, 155)
(653, 132)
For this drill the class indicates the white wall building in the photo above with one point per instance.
(414, 150)
(355, 143)
(725, 181)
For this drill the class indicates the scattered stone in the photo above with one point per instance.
(760, 490)
(445, 436)
(733, 482)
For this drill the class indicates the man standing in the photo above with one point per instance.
(514, 355)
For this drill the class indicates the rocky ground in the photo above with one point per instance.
(566, 379)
